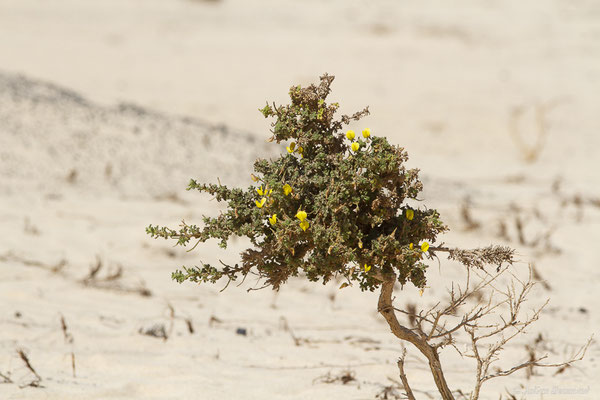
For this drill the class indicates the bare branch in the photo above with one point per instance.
(25, 359)
(577, 356)
(403, 378)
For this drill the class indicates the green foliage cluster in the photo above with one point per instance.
(345, 215)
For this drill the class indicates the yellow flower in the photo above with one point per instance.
(270, 191)
(301, 151)
(421, 292)
(287, 189)
(301, 215)
(366, 133)
(273, 219)
(410, 214)
(304, 225)
(260, 203)
(260, 190)
(291, 147)
(355, 146)
(367, 268)
(410, 246)
(424, 247)
(350, 135)
(360, 244)
(254, 177)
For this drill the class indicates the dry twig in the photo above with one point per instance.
(346, 376)
(409, 392)
(38, 379)
(5, 378)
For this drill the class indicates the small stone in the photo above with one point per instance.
(241, 331)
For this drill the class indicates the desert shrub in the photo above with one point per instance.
(335, 204)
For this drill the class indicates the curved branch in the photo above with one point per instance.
(386, 309)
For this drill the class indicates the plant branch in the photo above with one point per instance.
(409, 392)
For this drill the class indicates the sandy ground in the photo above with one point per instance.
(107, 109)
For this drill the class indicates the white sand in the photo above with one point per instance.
(137, 97)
